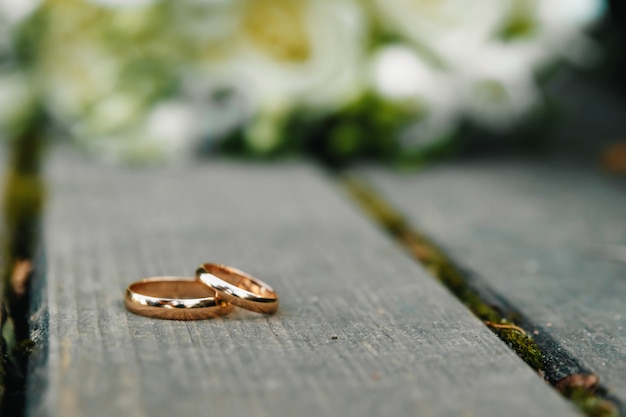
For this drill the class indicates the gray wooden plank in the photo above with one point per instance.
(362, 330)
(548, 236)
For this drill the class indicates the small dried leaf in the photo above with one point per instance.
(587, 381)
(19, 278)
(614, 158)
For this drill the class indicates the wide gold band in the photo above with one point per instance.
(174, 298)
(238, 288)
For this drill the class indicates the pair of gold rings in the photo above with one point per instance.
(212, 293)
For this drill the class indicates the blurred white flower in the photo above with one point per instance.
(144, 78)
(176, 124)
(572, 13)
(443, 25)
(400, 74)
(559, 28)
(297, 52)
(14, 11)
(77, 78)
(169, 130)
(114, 112)
(107, 91)
(464, 42)
(495, 84)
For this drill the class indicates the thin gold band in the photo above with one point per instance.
(238, 288)
(174, 298)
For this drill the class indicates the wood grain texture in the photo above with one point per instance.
(548, 236)
(361, 331)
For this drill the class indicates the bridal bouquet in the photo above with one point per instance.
(150, 79)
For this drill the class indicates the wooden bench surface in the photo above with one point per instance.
(549, 237)
(362, 330)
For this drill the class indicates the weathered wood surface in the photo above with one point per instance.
(362, 330)
(549, 237)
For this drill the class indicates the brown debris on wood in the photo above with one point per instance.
(589, 382)
(22, 268)
(613, 158)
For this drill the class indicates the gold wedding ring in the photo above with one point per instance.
(174, 298)
(238, 288)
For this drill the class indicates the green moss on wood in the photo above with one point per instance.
(524, 346)
(24, 348)
(24, 198)
(22, 205)
(24, 194)
(589, 403)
